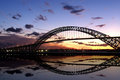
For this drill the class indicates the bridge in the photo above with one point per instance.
(114, 42)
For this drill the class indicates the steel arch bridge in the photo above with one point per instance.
(113, 42)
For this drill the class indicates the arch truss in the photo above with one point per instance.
(113, 42)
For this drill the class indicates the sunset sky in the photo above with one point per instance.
(32, 18)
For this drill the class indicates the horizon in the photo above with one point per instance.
(28, 19)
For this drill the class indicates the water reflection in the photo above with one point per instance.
(114, 61)
(62, 65)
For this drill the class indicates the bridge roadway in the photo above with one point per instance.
(114, 42)
(30, 45)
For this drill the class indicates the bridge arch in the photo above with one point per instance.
(113, 42)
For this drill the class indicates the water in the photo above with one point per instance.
(61, 68)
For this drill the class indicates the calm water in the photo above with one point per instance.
(61, 68)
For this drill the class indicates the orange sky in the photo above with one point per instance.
(75, 44)
(66, 45)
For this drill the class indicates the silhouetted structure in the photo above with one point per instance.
(112, 41)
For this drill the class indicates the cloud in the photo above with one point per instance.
(30, 9)
(0, 32)
(73, 9)
(92, 43)
(102, 25)
(54, 46)
(41, 17)
(77, 12)
(29, 26)
(46, 3)
(96, 18)
(68, 7)
(78, 42)
(50, 11)
(96, 44)
(17, 16)
(13, 40)
(33, 34)
(58, 37)
(16, 30)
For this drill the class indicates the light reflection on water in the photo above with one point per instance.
(61, 68)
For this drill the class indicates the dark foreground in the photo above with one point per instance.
(59, 53)
(63, 66)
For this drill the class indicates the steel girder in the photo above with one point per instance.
(113, 42)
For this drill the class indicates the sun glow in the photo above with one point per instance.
(73, 45)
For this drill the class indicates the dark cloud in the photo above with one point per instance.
(102, 25)
(95, 18)
(77, 12)
(68, 7)
(59, 38)
(50, 11)
(78, 42)
(41, 17)
(54, 46)
(33, 34)
(29, 26)
(13, 40)
(16, 30)
(17, 16)
(96, 44)
(46, 3)
(73, 9)
(0, 32)
(30, 9)
(91, 43)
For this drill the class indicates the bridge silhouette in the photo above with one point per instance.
(114, 42)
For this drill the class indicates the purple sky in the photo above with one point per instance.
(34, 17)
